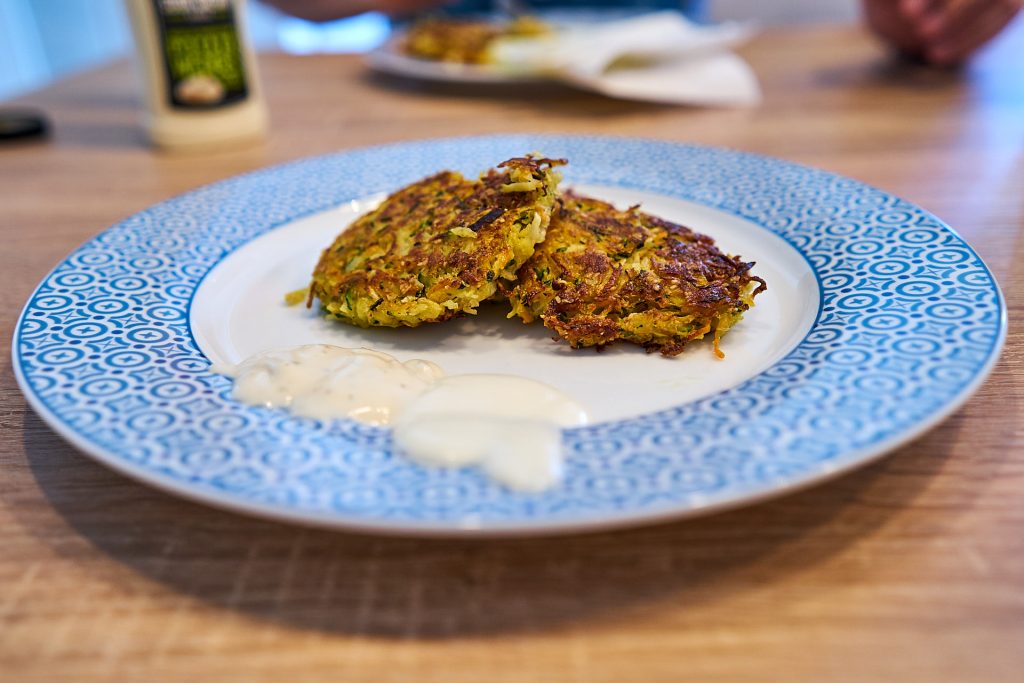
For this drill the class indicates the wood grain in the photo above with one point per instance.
(909, 570)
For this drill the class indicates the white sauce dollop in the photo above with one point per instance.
(323, 381)
(509, 426)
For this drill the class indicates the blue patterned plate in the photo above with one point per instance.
(879, 321)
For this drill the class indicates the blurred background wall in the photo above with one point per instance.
(42, 40)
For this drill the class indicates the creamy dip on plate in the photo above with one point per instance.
(509, 426)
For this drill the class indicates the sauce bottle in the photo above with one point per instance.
(201, 86)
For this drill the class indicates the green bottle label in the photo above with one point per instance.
(202, 54)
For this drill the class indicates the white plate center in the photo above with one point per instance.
(239, 310)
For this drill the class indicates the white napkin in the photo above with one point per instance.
(659, 57)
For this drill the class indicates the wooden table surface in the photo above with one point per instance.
(911, 569)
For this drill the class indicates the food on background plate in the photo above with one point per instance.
(466, 41)
(437, 248)
(603, 274)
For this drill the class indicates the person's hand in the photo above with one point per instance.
(941, 32)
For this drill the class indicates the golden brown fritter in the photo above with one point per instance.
(602, 274)
(437, 248)
(466, 41)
